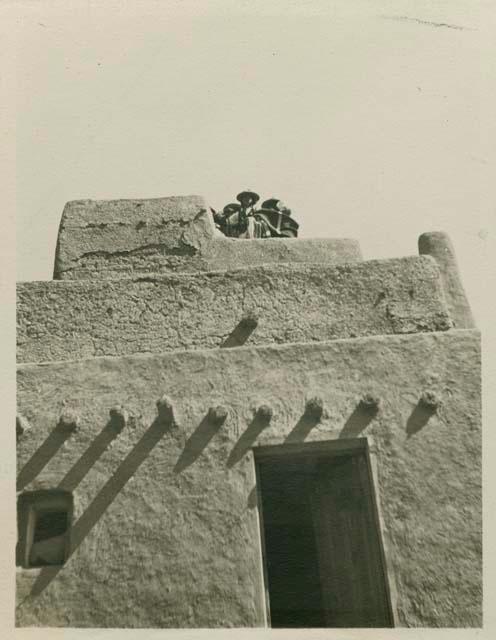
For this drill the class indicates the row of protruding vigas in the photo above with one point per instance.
(69, 419)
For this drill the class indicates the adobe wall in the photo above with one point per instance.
(438, 245)
(115, 238)
(293, 303)
(167, 531)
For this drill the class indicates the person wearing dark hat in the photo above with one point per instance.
(228, 220)
(278, 217)
(272, 203)
(244, 221)
(220, 217)
(236, 218)
(248, 199)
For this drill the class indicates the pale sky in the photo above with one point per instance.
(371, 120)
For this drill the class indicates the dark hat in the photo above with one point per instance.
(241, 195)
(271, 203)
(232, 207)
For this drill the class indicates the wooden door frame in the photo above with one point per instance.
(329, 448)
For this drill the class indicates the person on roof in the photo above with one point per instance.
(278, 217)
(243, 220)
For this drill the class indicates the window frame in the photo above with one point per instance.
(30, 506)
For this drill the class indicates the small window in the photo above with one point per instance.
(44, 523)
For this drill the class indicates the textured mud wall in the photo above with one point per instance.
(167, 531)
(438, 245)
(72, 319)
(230, 253)
(112, 238)
(129, 234)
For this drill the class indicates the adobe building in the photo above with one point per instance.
(215, 432)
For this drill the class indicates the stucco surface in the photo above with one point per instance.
(130, 233)
(229, 253)
(112, 238)
(167, 530)
(294, 303)
(438, 245)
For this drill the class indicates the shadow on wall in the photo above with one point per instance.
(363, 414)
(106, 495)
(99, 445)
(300, 431)
(247, 439)
(194, 446)
(359, 420)
(241, 332)
(200, 438)
(42, 456)
(419, 418)
(52, 444)
(302, 428)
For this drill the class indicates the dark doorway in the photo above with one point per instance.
(322, 551)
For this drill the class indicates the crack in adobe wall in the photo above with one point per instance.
(180, 210)
(180, 222)
(94, 235)
(84, 262)
(186, 249)
(212, 255)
